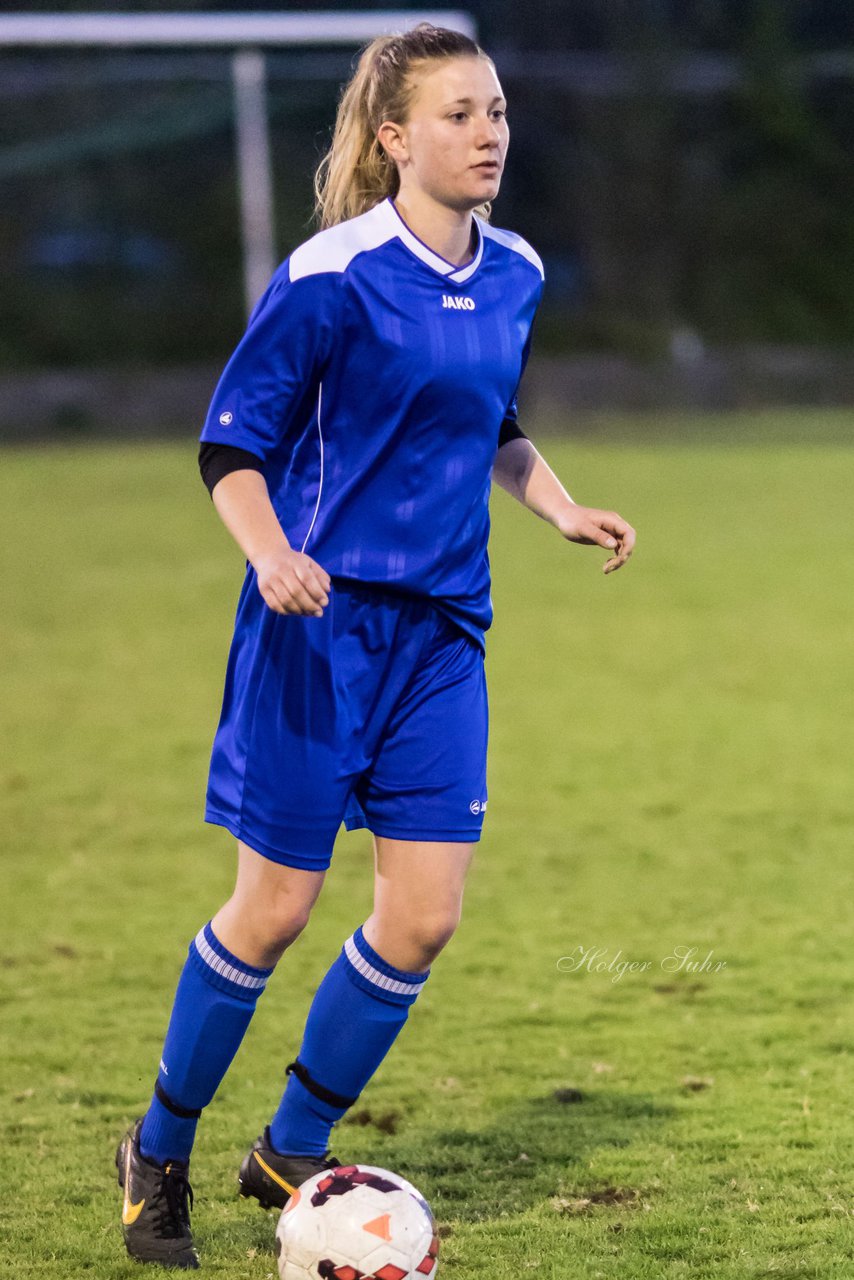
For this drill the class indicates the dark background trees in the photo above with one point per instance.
(684, 167)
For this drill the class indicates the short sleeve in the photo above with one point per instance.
(276, 368)
(512, 411)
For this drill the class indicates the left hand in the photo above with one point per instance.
(600, 528)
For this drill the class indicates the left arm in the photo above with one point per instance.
(527, 477)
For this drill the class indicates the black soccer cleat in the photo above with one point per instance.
(272, 1179)
(156, 1208)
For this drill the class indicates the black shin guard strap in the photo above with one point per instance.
(325, 1095)
(183, 1113)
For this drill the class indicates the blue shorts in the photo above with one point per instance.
(374, 715)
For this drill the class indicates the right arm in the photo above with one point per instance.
(261, 395)
(289, 580)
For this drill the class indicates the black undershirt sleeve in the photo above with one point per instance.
(216, 460)
(510, 430)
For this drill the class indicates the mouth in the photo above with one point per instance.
(487, 166)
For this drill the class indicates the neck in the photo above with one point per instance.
(448, 232)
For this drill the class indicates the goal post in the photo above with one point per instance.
(246, 35)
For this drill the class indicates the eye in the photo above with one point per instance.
(458, 115)
(499, 112)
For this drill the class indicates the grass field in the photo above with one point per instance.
(671, 767)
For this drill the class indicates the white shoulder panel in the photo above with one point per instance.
(511, 241)
(334, 248)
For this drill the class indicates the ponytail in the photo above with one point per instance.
(356, 174)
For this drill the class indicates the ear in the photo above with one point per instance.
(392, 138)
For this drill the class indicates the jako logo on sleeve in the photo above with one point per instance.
(226, 418)
(450, 303)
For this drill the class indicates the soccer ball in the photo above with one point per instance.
(357, 1222)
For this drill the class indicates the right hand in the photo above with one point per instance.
(291, 582)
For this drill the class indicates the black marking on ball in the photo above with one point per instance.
(340, 1181)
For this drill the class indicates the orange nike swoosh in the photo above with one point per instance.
(130, 1212)
(271, 1173)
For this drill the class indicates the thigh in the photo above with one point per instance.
(420, 877)
(262, 883)
(268, 909)
(418, 894)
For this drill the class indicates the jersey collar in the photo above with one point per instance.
(458, 275)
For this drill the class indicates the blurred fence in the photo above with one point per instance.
(557, 391)
(685, 170)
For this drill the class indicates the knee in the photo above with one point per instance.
(427, 936)
(279, 923)
(262, 927)
(269, 908)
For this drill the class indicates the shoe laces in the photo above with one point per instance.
(172, 1202)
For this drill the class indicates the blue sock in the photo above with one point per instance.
(357, 1012)
(214, 1003)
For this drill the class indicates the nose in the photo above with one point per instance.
(488, 135)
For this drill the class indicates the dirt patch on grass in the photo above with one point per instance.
(630, 1197)
(386, 1122)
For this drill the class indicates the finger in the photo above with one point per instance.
(272, 601)
(616, 561)
(624, 550)
(304, 611)
(299, 596)
(622, 530)
(601, 537)
(627, 537)
(310, 568)
(311, 583)
(322, 575)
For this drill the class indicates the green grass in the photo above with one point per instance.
(670, 766)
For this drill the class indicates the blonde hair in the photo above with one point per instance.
(356, 174)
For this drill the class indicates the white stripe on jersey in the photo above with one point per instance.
(511, 241)
(320, 484)
(334, 248)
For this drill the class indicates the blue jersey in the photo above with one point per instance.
(372, 381)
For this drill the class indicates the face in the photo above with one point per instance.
(454, 143)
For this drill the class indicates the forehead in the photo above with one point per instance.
(441, 83)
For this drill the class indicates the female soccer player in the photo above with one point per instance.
(349, 449)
